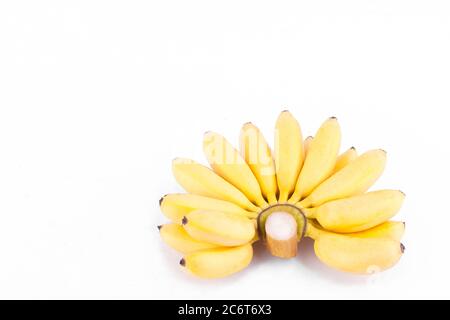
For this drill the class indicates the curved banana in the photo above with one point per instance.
(218, 263)
(226, 161)
(198, 179)
(225, 229)
(344, 159)
(307, 144)
(356, 178)
(391, 229)
(176, 237)
(355, 254)
(358, 213)
(258, 156)
(320, 160)
(289, 154)
(176, 206)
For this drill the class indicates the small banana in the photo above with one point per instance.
(320, 160)
(391, 229)
(225, 229)
(258, 155)
(198, 179)
(354, 253)
(307, 144)
(226, 161)
(356, 178)
(289, 154)
(176, 206)
(218, 263)
(176, 237)
(344, 159)
(358, 213)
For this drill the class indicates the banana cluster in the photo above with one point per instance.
(215, 223)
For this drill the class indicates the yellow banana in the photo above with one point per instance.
(320, 160)
(218, 263)
(355, 254)
(344, 159)
(289, 154)
(225, 229)
(176, 206)
(391, 229)
(258, 156)
(358, 213)
(306, 145)
(198, 179)
(356, 178)
(176, 237)
(226, 161)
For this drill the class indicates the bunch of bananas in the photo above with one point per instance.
(303, 189)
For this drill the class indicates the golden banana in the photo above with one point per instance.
(307, 144)
(176, 237)
(356, 178)
(176, 206)
(355, 254)
(228, 163)
(225, 229)
(258, 156)
(218, 263)
(358, 213)
(289, 154)
(320, 160)
(391, 229)
(344, 159)
(198, 179)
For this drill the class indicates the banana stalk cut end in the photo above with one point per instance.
(281, 227)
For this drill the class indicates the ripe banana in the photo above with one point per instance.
(356, 178)
(218, 263)
(355, 254)
(358, 213)
(320, 160)
(307, 144)
(392, 230)
(344, 159)
(225, 229)
(258, 155)
(289, 154)
(176, 206)
(228, 163)
(198, 179)
(176, 237)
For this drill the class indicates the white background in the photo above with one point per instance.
(97, 97)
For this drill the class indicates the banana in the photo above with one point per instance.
(358, 213)
(392, 230)
(176, 237)
(344, 159)
(356, 178)
(225, 229)
(289, 154)
(218, 263)
(258, 156)
(198, 179)
(306, 145)
(228, 163)
(176, 206)
(320, 160)
(355, 254)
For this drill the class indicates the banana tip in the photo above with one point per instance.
(184, 221)
(161, 200)
(402, 247)
(353, 148)
(183, 262)
(159, 228)
(333, 118)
